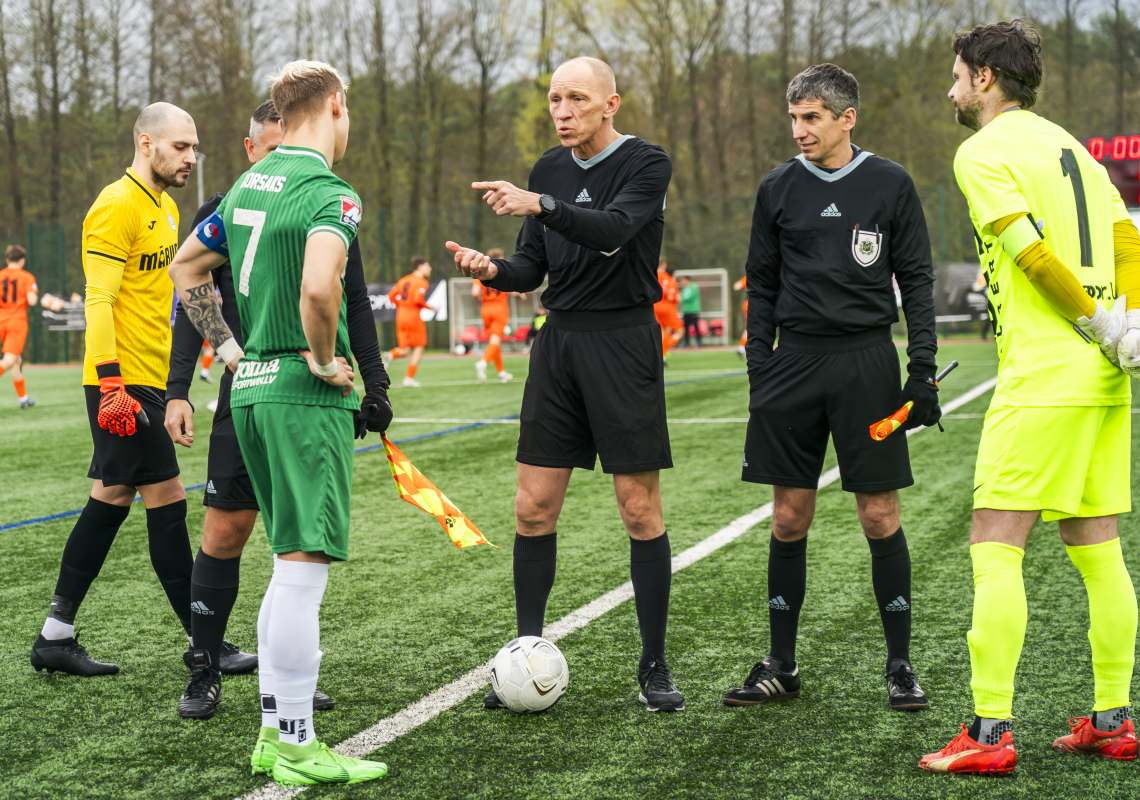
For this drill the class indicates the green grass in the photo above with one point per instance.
(409, 613)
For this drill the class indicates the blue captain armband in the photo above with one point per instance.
(212, 233)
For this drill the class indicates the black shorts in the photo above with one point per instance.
(146, 456)
(227, 482)
(596, 393)
(801, 397)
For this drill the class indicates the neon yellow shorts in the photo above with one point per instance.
(1071, 461)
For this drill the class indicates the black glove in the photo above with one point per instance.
(924, 392)
(375, 412)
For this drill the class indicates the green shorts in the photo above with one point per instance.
(299, 459)
(1071, 461)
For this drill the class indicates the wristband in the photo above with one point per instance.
(327, 371)
(1019, 236)
(228, 350)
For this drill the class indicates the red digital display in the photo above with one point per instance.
(1120, 156)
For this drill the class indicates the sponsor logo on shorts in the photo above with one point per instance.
(210, 484)
(255, 373)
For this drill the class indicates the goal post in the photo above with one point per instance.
(466, 323)
(716, 315)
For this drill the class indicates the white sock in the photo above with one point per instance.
(264, 667)
(294, 644)
(54, 629)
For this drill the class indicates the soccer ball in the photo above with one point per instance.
(460, 350)
(529, 674)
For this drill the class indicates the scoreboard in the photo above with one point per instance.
(1120, 155)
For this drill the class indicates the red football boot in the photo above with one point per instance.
(1119, 744)
(964, 755)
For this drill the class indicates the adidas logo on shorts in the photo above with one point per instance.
(778, 603)
(210, 487)
(583, 197)
(898, 604)
(831, 211)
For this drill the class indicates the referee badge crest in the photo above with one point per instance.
(866, 246)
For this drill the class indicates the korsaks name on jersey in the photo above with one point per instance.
(263, 183)
(255, 373)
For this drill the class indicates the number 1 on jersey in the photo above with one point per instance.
(1071, 170)
(255, 220)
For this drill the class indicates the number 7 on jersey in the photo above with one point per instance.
(255, 220)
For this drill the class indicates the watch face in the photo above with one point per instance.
(547, 202)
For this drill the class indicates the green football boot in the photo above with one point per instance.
(265, 751)
(315, 763)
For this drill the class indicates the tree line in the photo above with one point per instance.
(444, 92)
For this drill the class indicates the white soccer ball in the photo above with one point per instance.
(529, 674)
(460, 350)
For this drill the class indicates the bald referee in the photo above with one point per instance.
(594, 213)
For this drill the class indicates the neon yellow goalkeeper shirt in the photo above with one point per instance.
(1022, 163)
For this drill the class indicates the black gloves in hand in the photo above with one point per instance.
(924, 392)
(375, 412)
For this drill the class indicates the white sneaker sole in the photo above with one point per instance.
(642, 698)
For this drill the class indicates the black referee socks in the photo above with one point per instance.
(535, 560)
(787, 584)
(890, 574)
(651, 570)
(170, 555)
(213, 592)
(84, 554)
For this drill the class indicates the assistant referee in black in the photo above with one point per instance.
(595, 216)
(830, 229)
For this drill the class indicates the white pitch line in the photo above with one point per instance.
(408, 719)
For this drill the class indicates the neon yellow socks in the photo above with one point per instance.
(998, 632)
(1112, 617)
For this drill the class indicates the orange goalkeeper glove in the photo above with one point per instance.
(117, 409)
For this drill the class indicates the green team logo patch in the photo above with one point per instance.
(255, 373)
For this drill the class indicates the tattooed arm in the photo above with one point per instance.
(190, 272)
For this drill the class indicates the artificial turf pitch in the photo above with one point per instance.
(409, 613)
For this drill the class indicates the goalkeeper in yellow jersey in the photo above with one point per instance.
(1061, 258)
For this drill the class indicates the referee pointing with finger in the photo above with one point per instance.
(594, 213)
(829, 230)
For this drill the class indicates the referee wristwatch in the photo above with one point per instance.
(548, 204)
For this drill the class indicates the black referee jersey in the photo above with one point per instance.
(600, 245)
(823, 250)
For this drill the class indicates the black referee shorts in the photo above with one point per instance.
(146, 456)
(227, 483)
(803, 395)
(596, 393)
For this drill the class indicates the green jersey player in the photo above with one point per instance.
(286, 226)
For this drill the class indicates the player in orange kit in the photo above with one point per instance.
(409, 295)
(666, 309)
(496, 312)
(740, 286)
(17, 291)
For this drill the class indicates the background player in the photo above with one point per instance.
(1056, 442)
(18, 290)
(665, 309)
(594, 222)
(231, 506)
(207, 351)
(411, 334)
(129, 236)
(496, 313)
(836, 370)
(292, 396)
(740, 286)
(690, 309)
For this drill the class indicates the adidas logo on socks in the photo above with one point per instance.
(583, 197)
(898, 604)
(831, 211)
(778, 603)
(199, 607)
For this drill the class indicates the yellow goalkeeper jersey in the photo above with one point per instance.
(1022, 163)
(130, 235)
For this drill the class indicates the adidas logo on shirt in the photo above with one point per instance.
(778, 603)
(831, 211)
(898, 604)
(198, 607)
(210, 487)
(583, 197)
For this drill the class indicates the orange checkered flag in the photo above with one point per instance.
(416, 489)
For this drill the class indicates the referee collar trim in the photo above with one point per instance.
(593, 161)
(293, 150)
(134, 178)
(831, 177)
